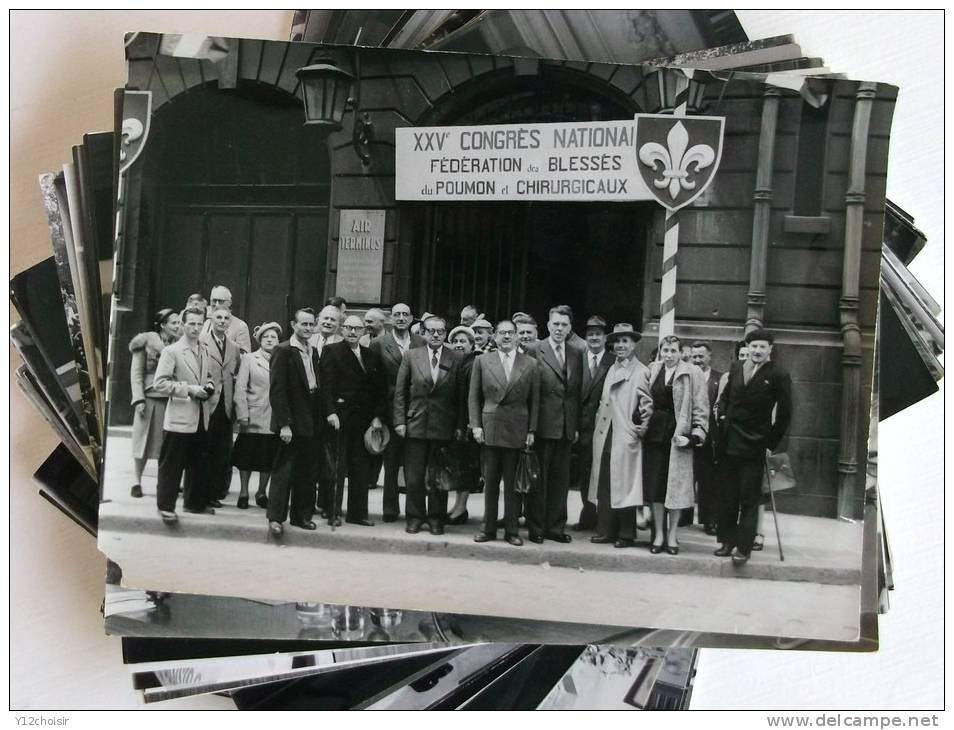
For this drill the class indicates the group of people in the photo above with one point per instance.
(343, 396)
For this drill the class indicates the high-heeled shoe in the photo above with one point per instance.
(672, 550)
(242, 502)
(656, 549)
(461, 519)
(261, 500)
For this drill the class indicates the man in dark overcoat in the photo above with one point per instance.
(756, 408)
(353, 398)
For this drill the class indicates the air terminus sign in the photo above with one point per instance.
(670, 159)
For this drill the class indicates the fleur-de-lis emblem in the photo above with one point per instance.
(674, 163)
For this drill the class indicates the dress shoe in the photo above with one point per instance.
(601, 540)
(242, 503)
(624, 543)
(201, 511)
(656, 549)
(336, 522)
(712, 530)
(136, 491)
(724, 551)
(413, 527)
(261, 500)
(514, 540)
(437, 529)
(538, 539)
(168, 517)
(275, 528)
(215, 503)
(739, 558)
(484, 537)
(560, 537)
(390, 518)
(459, 520)
(672, 550)
(363, 523)
(309, 525)
(758, 543)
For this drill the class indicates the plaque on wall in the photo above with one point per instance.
(360, 255)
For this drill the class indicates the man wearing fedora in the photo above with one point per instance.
(390, 347)
(353, 396)
(503, 406)
(597, 361)
(427, 416)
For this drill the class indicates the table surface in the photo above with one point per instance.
(60, 657)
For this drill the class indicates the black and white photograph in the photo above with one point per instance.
(453, 332)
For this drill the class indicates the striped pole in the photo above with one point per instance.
(667, 290)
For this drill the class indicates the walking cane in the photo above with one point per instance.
(778, 535)
(334, 491)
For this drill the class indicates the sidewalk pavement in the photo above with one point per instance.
(817, 550)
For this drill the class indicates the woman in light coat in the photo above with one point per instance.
(256, 445)
(679, 424)
(616, 477)
(149, 407)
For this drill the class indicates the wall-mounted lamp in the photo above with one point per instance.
(327, 92)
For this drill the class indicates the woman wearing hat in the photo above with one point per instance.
(616, 477)
(679, 423)
(256, 445)
(149, 407)
(467, 452)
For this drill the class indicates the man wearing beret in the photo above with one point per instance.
(755, 390)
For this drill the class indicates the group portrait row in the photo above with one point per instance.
(447, 408)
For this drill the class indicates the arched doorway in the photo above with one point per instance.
(507, 257)
(240, 192)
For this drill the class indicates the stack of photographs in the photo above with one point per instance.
(425, 269)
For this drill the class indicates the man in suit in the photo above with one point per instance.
(503, 405)
(427, 415)
(353, 390)
(703, 464)
(226, 358)
(294, 394)
(326, 332)
(391, 347)
(184, 375)
(755, 390)
(597, 361)
(483, 339)
(526, 333)
(238, 329)
(327, 328)
(374, 320)
(561, 376)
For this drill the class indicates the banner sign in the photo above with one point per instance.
(660, 157)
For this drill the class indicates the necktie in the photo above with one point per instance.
(434, 362)
(559, 354)
(508, 366)
(592, 366)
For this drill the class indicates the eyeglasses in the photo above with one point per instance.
(431, 331)
(353, 328)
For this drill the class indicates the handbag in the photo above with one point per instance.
(780, 470)
(441, 472)
(528, 472)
